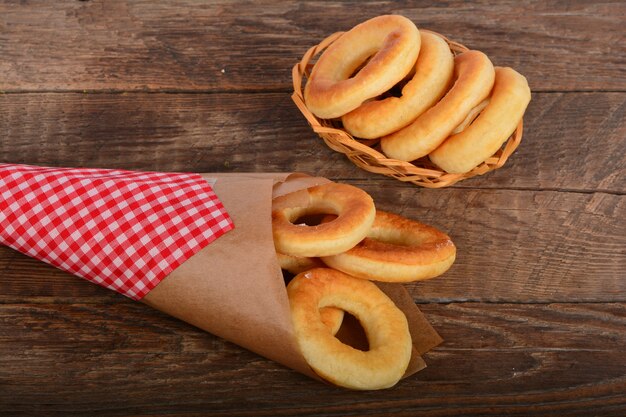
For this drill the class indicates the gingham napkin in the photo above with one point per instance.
(123, 230)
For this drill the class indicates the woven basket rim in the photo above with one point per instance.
(420, 172)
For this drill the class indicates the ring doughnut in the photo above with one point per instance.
(355, 214)
(433, 73)
(397, 250)
(297, 264)
(471, 116)
(385, 325)
(474, 79)
(331, 316)
(495, 124)
(392, 42)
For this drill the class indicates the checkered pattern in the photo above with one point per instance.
(120, 229)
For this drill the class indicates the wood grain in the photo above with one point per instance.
(533, 311)
(520, 245)
(571, 141)
(226, 45)
(513, 246)
(498, 359)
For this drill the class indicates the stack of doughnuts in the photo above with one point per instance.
(335, 263)
(386, 80)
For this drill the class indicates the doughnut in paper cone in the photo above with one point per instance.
(243, 298)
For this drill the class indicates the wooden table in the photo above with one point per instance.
(533, 312)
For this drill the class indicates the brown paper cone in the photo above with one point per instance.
(234, 287)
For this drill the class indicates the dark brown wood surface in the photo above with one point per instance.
(533, 312)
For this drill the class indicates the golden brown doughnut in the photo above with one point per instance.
(385, 325)
(297, 264)
(474, 79)
(332, 317)
(463, 151)
(397, 250)
(392, 42)
(355, 214)
(433, 73)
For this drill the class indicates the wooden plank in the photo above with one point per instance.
(571, 141)
(125, 358)
(512, 246)
(533, 312)
(237, 45)
(520, 245)
(23, 278)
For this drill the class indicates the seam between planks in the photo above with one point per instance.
(115, 300)
(233, 91)
(497, 188)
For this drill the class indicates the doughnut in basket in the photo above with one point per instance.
(400, 130)
(474, 74)
(432, 76)
(464, 150)
(395, 43)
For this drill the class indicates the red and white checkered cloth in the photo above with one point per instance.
(123, 230)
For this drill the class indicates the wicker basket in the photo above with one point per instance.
(366, 154)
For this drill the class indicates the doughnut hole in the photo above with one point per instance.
(313, 215)
(314, 219)
(352, 333)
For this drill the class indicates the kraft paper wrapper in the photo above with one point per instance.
(234, 287)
